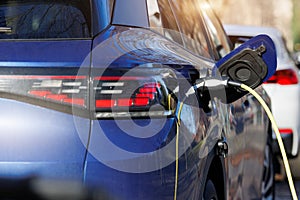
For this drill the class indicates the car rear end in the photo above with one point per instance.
(43, 45)
(284, 91)
(65, 114)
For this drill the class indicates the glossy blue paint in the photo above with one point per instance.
(124, 185)
(149, 185)
(59, 53)
(139, 141)
(44, 142)
(121, 185)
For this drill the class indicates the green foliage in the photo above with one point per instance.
(296, 24)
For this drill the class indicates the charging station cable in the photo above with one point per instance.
(177, 149)
(277, 133)
(213, 84)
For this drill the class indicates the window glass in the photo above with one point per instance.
(188, 17)
(154, 16)
(162, 20)
(215, 29)
(42, 19)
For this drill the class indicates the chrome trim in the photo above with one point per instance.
(133, 114)
(47, 84)
(112, 84)
(70, 91)
(72, 84)
(111, 92)
(5, 30)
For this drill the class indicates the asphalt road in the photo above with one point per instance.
(282, 191)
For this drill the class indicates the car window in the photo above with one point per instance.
(162, 19)
(42, 19)
(180, 21)
(187, 13)
(215, 30)
(238, 40)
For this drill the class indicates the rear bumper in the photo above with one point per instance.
(288, 145)
(286, 114)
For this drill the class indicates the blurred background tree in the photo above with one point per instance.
(274, 13)
(296, 24)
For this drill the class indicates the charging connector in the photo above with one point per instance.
(209, 87)
(215, 86)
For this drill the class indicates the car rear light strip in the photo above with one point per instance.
(284, 77)
(124, 95)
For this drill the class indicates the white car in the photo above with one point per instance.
(283, 88)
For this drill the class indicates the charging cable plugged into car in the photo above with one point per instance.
(215, 84)
(235, 75)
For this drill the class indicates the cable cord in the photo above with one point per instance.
(177, 150)
(274, 126)
(277, 133)
(176, 164)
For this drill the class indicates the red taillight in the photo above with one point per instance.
(102, 94)
(68, 90)
(105, 103)
(125, 102)
(74, 101)
(40, 93)
(284, 77)
(286, 131)
(126, 93)
(141, 101)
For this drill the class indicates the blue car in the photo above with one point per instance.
(130, 96)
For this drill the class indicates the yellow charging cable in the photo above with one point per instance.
(275, 128)
(176, 163)
(177, 151)
(279, 139)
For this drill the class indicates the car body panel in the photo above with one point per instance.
(120, 43)
(21, 145)
(39, 128)
(47, 53)
(139, 46)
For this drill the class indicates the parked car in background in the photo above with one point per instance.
(283, 88)
(112, 94)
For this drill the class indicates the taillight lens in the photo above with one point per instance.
(106, 96)
(286, 131)
(134, 96)
(284, 77)
(68, 90)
